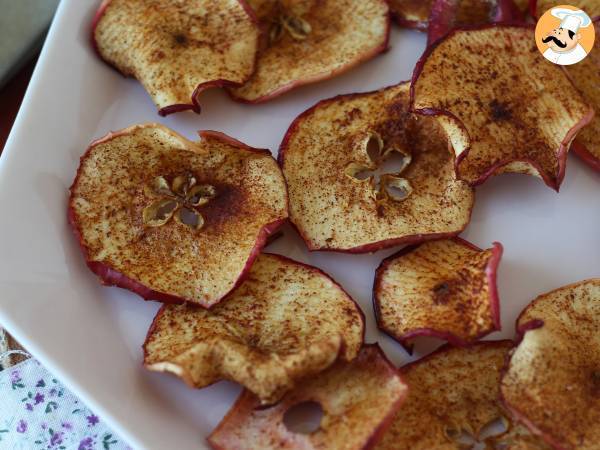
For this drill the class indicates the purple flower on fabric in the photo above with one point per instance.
(40, 383)
(21, 426)
(44, 425)
(67, 425)
(28, 407)
(15, 380)
(15, 376)
(56, 438)
(92, 420)
(39, 398)
(86, 444)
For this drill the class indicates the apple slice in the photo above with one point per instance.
(178, 49)
(308, 41)
(411, 13)
(552, 381)
(286, 321)
(586, 78)
(449, 14)
(446, 289)
(452, 399)
(358, 400)
(330, 156)
(506, 110)
(591, 7)
(175, 220)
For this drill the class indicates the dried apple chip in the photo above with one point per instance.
(286, 321)
(175, 220)
(552, 382)
(411, 13)
(358, 400)
(343, 194)
(506, 110)
(178, 49)
(449, 14)
(586, 78)
(446, 289)
(453, 401)
(591, 7)
(312, 40)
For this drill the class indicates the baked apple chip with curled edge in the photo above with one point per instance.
(445, 289)
(342, 196)
(503, 108)
(591, 7)
(452, 403)
(306, 41)
(411, 13)
(178, 49)
(174, 220)
(585, 75)
(440, 16)
(449, 14)
(552, 381)
(358, 400)
(286, 321)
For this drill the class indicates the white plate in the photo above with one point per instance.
(90, 336)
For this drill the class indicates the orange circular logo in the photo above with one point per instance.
(565, 35)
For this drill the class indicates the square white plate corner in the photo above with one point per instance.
(90, 336)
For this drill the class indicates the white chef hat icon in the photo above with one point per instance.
(571, 20)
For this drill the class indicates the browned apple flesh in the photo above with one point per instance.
(445, 289)
(591, 7)
(339, 201)
(177, 49)
(175, 220)
(452, 401)
(449, 14)
(552, 382)
(358, 400)
(411, 13)
(311, 40)
(286, 321)
(586, 78)
(503, 108)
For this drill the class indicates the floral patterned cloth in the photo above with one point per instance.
(37, 412)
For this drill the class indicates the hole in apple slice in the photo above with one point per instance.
(304, 417)
(468, 441)
(395, 162)
(374, 147)
(191, 218)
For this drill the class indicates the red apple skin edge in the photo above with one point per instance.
(377, 433)
(324, 75)
(491, 271)
(367, 248)
(284, 259)
(443, 12)
(587, 157)
(193, 105)
(112, 277)
(564, 146)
